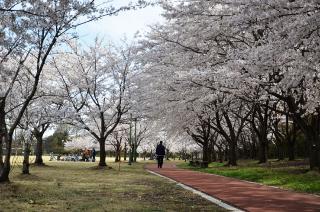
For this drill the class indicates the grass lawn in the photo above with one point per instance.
(296, 178)
(81, 186)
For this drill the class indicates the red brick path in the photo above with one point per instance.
(241, 194)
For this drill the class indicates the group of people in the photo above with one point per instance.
(88, 155)
(82, 155)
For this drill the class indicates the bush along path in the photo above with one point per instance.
(241, 194)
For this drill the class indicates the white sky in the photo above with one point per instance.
(125, 24)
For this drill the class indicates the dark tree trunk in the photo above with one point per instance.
(281, 151)
(167, 154)
(253, 146)
(5, 170)
(253, 151)
(39, 150)
(291, 149)
(3, 133)
(205, 155)
(211, 151)
(118, 153)
(245, 150)
(310, 126)
(262, 151)
(311, 132)
(103, 154)
(135, 154)
(314, 150)
(205, 152)
(260, 130)
(226, 154)
(7, 140)
(292, 142)
(232, 154)
(26, 154)
(1, 152)
(125, 152)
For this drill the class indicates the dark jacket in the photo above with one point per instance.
(161, 150)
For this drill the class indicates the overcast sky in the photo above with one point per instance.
(127, 23)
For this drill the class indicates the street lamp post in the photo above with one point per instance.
(135, 140)
(130, 142)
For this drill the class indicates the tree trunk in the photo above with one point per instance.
(125, 152)
(263, 142)
(292, 142)
(311, 131)
(3, 133)
(39, 150)
(103, 154)
(314, 151)
(262, 152)
(135, 154)
(5, 170)
(118, 153)
(167, 154)
(205, 152)
(26, 154)
(205, 155)
(281, 151)
(232, 153)
(253, 146)
(1, 152)
(131, 151)
(291, 148)
(7, 139)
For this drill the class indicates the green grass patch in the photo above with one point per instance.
(80, 186)
(296, 178)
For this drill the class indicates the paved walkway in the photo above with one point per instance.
(241, 194)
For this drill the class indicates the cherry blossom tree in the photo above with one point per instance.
(95, 83)
(30, 30)
(256, 53)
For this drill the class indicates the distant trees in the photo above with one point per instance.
(55, 143)
(117, 141)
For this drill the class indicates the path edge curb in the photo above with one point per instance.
(200, 193)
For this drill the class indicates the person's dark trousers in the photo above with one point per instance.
(160, 161)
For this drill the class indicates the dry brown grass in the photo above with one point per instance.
(79, 186)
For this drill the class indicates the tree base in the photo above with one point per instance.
(4, 180)
(262, 162)
(102, 164)
(101, 167)
(39, 164)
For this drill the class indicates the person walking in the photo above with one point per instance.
(160, 152)
(93, 155)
